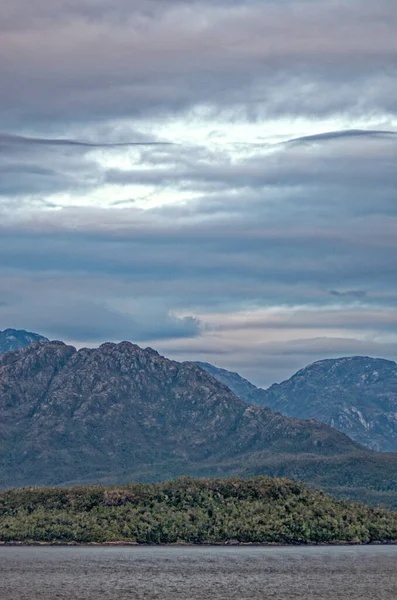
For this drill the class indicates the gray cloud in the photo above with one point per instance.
(32, 165)
(7, 140)
(325, 230)
(341, 160)
(339, 163)
(349, 293)
(349, 133)
(66, 62)
(125, 273)
(74, 309)
(257, 255)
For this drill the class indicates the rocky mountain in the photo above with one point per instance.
(120, 413)
(356, 395)
(12, 339)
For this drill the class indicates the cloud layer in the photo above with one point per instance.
(102, 60)
(213, 179)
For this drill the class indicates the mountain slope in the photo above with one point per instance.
(119, 412)
(13, 339)
(356, 395)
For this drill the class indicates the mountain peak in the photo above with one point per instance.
(12, 339)
(361, 369)
(355, 394)
(360, 361)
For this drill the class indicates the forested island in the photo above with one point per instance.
(261, 510)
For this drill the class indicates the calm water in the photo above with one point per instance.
(351, 573)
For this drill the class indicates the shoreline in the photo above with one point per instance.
(126, 544)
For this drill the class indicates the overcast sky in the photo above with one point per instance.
(214, 179)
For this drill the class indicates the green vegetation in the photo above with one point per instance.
(187, 510)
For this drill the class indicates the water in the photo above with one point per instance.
(172, 573)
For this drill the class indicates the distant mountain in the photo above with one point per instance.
(13, 339)
(120, 413)
(356, 395)
(243, 388)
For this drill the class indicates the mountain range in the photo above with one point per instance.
(357, 395)
(119, 413)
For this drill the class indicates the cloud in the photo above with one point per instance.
(238, 286)
(214, 178)
(349, 133)
(73, 309)
(64, 63)
(349, 293)
(7, 140)
(343, 162)
(33, 166)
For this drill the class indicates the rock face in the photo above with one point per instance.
(12, 339)
(356, 395)
(121, 413)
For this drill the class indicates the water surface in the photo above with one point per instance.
(168, 573)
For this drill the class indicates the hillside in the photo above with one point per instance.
(13, 339)
(356, 395)
(260, 510)
(120, 413)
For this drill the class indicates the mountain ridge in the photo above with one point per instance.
(120, 412)
(374, 426)
(355, 394)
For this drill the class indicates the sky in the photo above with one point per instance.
(216, 180)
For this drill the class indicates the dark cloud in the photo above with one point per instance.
(349, 293)
(335, 135)
(7, 140)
